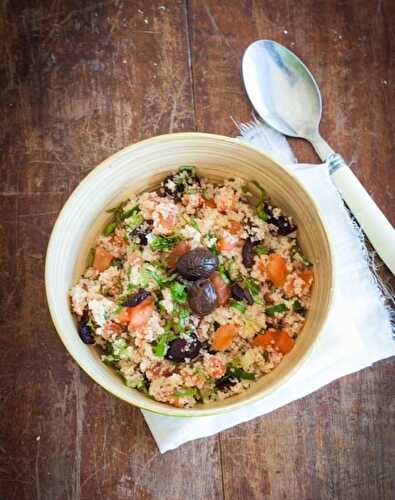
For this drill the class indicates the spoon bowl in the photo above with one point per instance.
(282, 89)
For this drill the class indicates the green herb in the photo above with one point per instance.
(273, 310)
(188, 168)
(195, 225)
(260, 250)
(164, 243)
(119, 349)
(257, 190)
(109, 229)
(223, 273)
(240, 374)
(157, 273)
(124, 298)
(181, 393)
(178, 292)
(118, 263)
(129, 213)
(240, 306)
(119, 215)
(235, 372)
(212, 243)
(136, 381)
(118, 309)
(261, 212)
(135, 220)
(296, 251)
(118, 210)
(90, 258)
(162, 344)
(252, 285)
(298, 308)
(182, 315)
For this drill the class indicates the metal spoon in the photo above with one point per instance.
(286, 96)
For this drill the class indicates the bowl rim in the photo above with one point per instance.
(173, 411)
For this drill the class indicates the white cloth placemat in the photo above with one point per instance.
(357, 334)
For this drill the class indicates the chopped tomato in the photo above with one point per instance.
(279, 340)
(277, 269)
(223, 337)
(123, 317)
(102, 259)
(140, 314)
(194, 200)
(221, 288)
(267, 339)
(180, 249)
(307, 278)
(225, 244)
(214, 366)
(135, 258)
(210, 203)
(234, 226)
(284, 342)
(262, 265)
(168, 221)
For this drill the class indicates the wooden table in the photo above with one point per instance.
(81, 80)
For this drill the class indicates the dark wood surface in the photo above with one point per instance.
(79, 81)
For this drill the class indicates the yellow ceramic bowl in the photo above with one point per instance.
(141, 167)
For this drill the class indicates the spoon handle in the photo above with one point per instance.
(372, 220)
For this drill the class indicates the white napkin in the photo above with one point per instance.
(357, 334)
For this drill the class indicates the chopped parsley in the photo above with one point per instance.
(157, 273)
(277, 309)
(261, 250)
(134, 220)
(109, 229)
(182, 316)
(182, 393)
(212, 243)
(252, 286)
(224, 273)
(195, 225)
(162, 343)
(239, 306)
(178, 292)
(119, 349)
(164, 243)
(298, 308)
(118, 263)
(234, 373)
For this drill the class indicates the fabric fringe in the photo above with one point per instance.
(375, 264)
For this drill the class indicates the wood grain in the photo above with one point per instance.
(81, 80)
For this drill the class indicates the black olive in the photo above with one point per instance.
(141, 232)
(240, 293)
(136, 298)
(248, 252)
(174, 185)
(202, 297)
(171, 187)
(84, 330)
(282, 223)
(183, 348)
(198, 263)
(225, 383)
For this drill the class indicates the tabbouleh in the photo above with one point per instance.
(194, 291)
